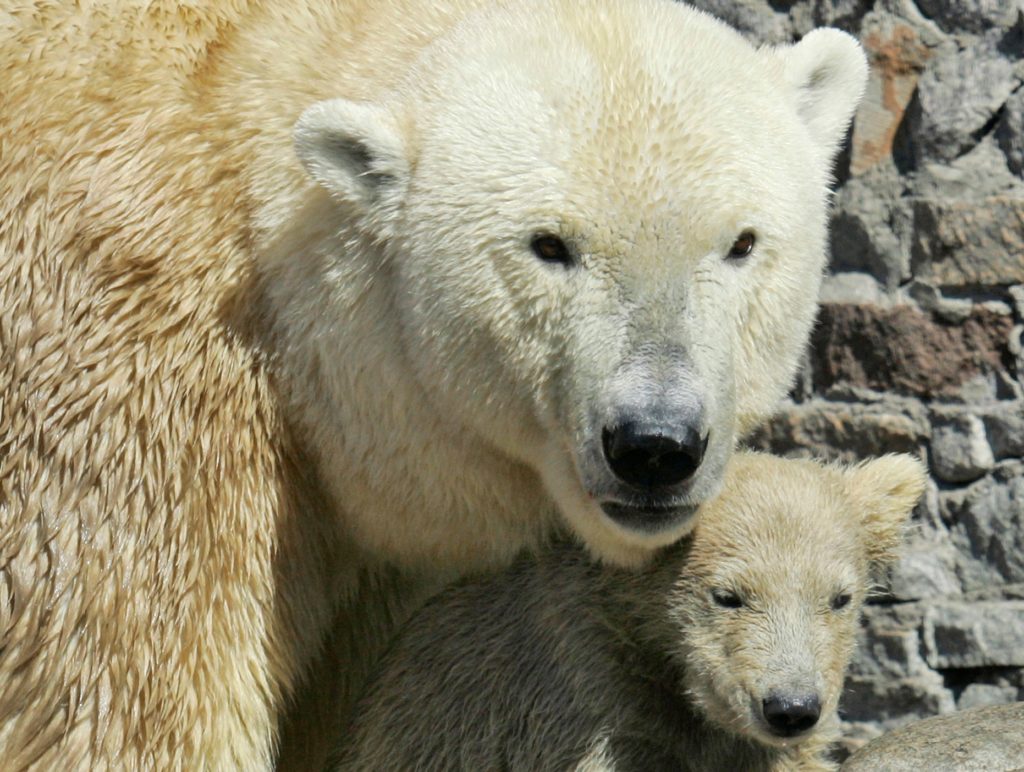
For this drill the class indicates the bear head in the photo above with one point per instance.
(764, 611)
(602, 226)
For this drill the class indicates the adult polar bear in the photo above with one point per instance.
(530, 259)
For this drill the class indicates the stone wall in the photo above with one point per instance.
(919, 341)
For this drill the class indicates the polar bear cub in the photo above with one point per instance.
(728, 652)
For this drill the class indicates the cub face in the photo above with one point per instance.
(604, 228)
(769, 599)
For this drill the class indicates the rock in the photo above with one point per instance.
(987, 739)
(977, 16)
(841, 431)
(844, 14)
(888, 649)
(988, 526)
(904, 350)
(958, 99)
(897, 55)
(960, 449)
(856, 288)
(930, 298)
(980, 173)
(1010, 132)
(1016, 294)
(926, 569)
(1005, 429)
(969, 241)
(888, 699)
(960, 634)
(981, 695)
(758, 21)
(872, 227)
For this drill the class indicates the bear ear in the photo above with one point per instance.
(353, 149)
(828, 70)
(883, 492)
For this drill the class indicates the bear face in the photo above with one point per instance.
(768, 598)
(602, 229)
(726, 652)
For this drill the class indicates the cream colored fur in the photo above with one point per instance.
(277, 359)
(556, 664)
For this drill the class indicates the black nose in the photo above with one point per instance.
(790, 715)
(653, 456)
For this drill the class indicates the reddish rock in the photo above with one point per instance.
(840, 430)
(897, 58)
(906, 351)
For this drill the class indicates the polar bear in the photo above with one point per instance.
(726, 652)
(308, 307)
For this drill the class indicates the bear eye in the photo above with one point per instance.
(551, 249)
(726, 599)
(743, 245)
(841, 601)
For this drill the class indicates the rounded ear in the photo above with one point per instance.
(829, 71)
(883, 493)
(353, 149)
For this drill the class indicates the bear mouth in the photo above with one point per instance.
(646, 517)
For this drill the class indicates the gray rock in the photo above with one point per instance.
(988, 526)
(926, 569)
(976, 16)
(930, 298)
(960, 634)
(853, 287)
(757, 20)
(1005, 429)
(1010, 132)
(887, 653)
(968, 241)
(1016, 293)
(981, 695)
(872, 227)
(987, 739)
(895, 700)
(960, 448)
(980, 173)
(958, 96)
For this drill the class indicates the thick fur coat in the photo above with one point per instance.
(559, 664)
(280, 355)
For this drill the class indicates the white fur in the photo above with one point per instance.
(457, 373)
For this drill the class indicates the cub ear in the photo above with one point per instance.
(828, 70)
(353, 149)
(883, 492)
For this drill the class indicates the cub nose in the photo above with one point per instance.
(790, 715)
(653, 456)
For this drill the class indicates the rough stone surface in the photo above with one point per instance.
(987, 526)
(969, 242)
(975, 16)
(960, 448)
(904, 350)
(1010, 132)
(959, 634)
(959, 96)
(982, 695)
(928, 569)
(920, 349)
(898, 54)
(979, 740)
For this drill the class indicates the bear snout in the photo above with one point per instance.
(789, 715)
(651, 456)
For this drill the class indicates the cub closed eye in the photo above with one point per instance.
(743, 245)
(841, 601)
(726, 599)
(551, 249)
